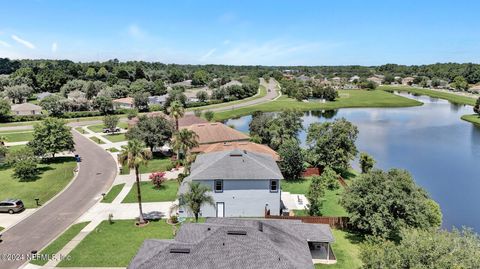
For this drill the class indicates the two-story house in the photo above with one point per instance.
(243, 183)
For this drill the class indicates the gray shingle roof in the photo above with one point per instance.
(234, 164)
(277, 246)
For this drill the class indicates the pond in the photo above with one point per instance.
(441, 151)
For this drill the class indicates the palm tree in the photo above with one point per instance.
(133, 155)
(176, 111)
(184, 140)
(195, 198)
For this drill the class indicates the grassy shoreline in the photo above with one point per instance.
(454, 98)
(473, 118)
(347, 99)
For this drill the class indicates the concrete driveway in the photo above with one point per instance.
(97, 172)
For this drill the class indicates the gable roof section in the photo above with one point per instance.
(216, 132)
(26, 107)
(243, 145)
(210, 245)
(234, 165)
(126, 100)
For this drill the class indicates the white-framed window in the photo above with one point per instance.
(273, 185)
(218, 185)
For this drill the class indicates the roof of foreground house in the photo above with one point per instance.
(216, 132)
(234, 164)
(234, 243)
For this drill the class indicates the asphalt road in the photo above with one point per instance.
(97, 172)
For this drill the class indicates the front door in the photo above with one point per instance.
(220, 210)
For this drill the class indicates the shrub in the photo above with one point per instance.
(209, 115)
(24, 163)
(157, 179)
(132, 113)
(173, 219)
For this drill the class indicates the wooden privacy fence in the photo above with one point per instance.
(334, 222)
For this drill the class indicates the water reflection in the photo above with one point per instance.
(431, 141)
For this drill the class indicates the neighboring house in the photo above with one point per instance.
(43, 95)
(186, 83)
(216, 132)
(232, 83)
(243, 184)
(26, 109)
(376, 79)
(127, 102)
(76, 95)
(407, 80)
(475, 88)
(240, 244)
(304, 78)
(350, 86)
(244, 145)
(157, 99)
(354, 78)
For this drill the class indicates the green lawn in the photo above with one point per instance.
(465, 100)
(16, 147)
(347, 251)
(114, 245)
(115, 137)
(98, 128)
(473, 118)
(331, 206)
(81, 130)
(97, 140)
(17, 136)
(262, 91)
(157, 164)
(348, 98)
(113, 149)
(53, 177)
(167, 192)
(61, 241)
(112, 194)
(1, 228)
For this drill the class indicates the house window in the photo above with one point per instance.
(273, 185)
(218, 186)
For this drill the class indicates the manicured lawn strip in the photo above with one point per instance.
(331, 205)
(16, 147)
(114, 245)
(465, 100)
(347, 99)
(81, 130)
(474, 118)
(167, 192)
(116, 137)
(112, 193)
(97, 140)
(17, 136)
(157, 164)
(1, 228)
(347, 251)
(98, 128)
(262, 91)
(113, 150)
(53, 177)
(61, 241)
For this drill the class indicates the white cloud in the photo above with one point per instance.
(207, 55)
(54, 47)
(23, 42)
(135, 31)
(5, 44)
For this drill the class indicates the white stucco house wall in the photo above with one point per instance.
(242, 183)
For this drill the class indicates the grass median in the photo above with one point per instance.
(347, 99)
(17, 136)
(60, 242)
(115, 137)
(113, 193)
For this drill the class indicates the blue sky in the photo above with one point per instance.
(243, 32)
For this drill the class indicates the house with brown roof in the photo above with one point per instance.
(26, 109)
(127, 102)
(407, 80)
(216, 132)
(243, 145)
(375, 79)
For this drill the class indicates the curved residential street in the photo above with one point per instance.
(97, 172)
(272, 93)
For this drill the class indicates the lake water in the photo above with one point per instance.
(431, 141)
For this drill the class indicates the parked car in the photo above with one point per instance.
(11, 206)
(108, 130)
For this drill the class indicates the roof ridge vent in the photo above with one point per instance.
(180, 250)
(237, 232)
